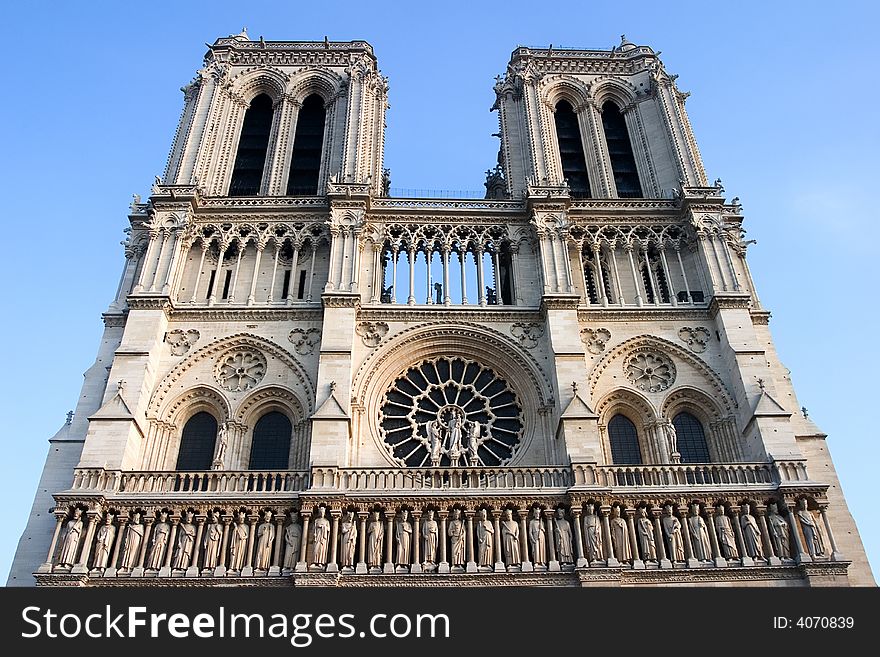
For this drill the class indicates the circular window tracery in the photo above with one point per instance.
(450, 411)
(240, 369)
(649, 371)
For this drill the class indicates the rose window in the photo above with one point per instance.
(450, 411)
(240, 370)
(651, 372)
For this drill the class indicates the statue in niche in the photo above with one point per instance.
(562, 534)
(778, 532)
(485, 539)
(456, 533)
(593, 534)
(320, 538)
(726, 535)
(751, 533)
(292, 541)
(212, 541)
(510, 539)
(72, 537)
(220, 452)
(435, 441)
(645, 535)
(403, 535)
(438, 293)
(161, 532)
(491, 297)
(453, 433)
(348, 540)
(186, 540)
(620, 536)
(538, 538)
(134, 537)
(812, 534)
(700, 543)
(672, 530)
(474, 431)
(104, 541)
(265, 539)
(238, 542)
(375, 535)
(430, 534)
(671, 441)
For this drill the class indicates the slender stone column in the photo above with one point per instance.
(394, 255)
(178, 250)
(82, 565)
(291, 284)
(248, 569)
(193, 570)
(428, 280)
(416, 566)
(802, 554)
(388, 567)
(205, 248)
(138, 571)
(164, 234)
(527, 565)
(651, 278)
(514, 276)
(497, 277)
(443, 564)
(713, 539)
(499, 561)
(447, 299)
(271, 297)
(462, 255)
(620, 298)
(637, 562)
(471, 563)
(597, 258)
(835, 554)
(275, 569)
(691, 560)
(481, 286)
(165, 571)
(141, 282)
(672, 298)
(378, 279)
(769, 552)
(552, 563)
(740, 543)
(241, 249)
(411, 299)
(333, 565)
(578, 538)
(611, 559)
(659, 540)
(684, 277)
(632, 268)
(302, 565)
(361, 567)
(46, 567)
(252, 294)
(311, 272)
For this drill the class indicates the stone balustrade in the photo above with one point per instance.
(120, 482)
(442, 479)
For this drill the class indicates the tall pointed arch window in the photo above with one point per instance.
(250, 160)
(308, 142)
(624, 441)
(623, 162)
(197, 443)
(571, 150)
(270, 447)
(690, 438)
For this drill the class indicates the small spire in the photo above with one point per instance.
(326, 43)
(69, 418)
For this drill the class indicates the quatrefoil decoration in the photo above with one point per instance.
(240, 369)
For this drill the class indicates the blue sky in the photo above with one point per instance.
(784, 107)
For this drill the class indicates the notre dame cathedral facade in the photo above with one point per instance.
(306, 380)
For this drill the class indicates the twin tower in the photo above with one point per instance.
(304, 378)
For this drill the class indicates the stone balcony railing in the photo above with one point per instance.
(444, 480)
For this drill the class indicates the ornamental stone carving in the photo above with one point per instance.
(304, 340)
(240, 369)
(528, 333)
(696, 338)
(650, 371)
(372, 332)
(595, 339)
(180, 341)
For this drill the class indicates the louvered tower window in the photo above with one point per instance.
(250, 160)
(623, 163)
(624, 441)
(270, 447)
(571, 150)
(197, 443)
(690, 439)
(308, 142)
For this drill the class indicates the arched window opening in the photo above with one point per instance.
(270, 447)
(308, 142)
(591, 277)
(571, 150)
(623, 163)
(247, 174)
(197, 443)
(690, 439)
(624, 441)
(656, 285)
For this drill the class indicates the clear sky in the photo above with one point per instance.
(784, 107)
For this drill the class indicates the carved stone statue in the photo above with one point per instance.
(474, 442)
(726, 535)
(161, 532)
(348, 540)
(485, 539)
(620, 536)
(72, 537)
(456, 533)
(562, 534)
(104, 542)
(751, 533)
(812, 534)
(435, 441)
(430, 534)
(454, 437)
(220, 451)
(645, 535)
(238, 539)
(672, 530)
(779, 532)
(186, 540)
(510, 539)
(265, 541)
(134, 538)
(375, 535)
(699, 535)
(593, 534)
(403, 535)
(320, 538)
(213, 540)
(538, 538)
(671, 439)
(292, 541)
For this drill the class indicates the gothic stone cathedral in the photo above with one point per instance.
(306, 380)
